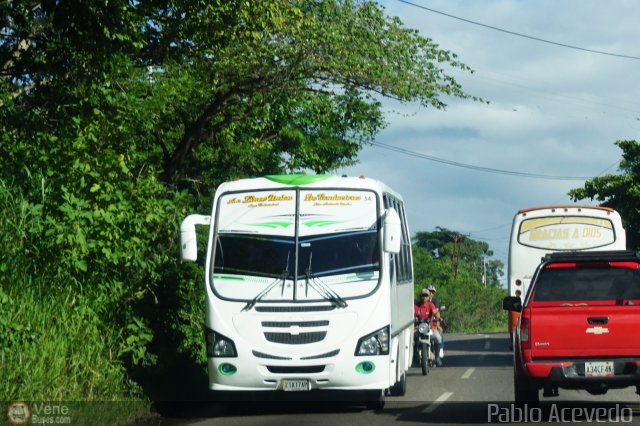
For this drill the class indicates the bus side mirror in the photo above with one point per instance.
(392, 231)
(188, 239)
(512, 303)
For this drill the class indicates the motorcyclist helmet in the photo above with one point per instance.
(431, 288)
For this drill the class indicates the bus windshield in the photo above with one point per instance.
(321, 255)
(337, 235)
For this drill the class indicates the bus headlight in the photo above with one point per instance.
(219, 346)
(376, 343)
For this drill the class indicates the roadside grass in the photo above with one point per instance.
(53, 350)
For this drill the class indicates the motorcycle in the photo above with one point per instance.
(424, 344)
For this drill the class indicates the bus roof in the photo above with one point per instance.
(566, 206)
(307, 181)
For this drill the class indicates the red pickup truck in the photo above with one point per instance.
(579, 326)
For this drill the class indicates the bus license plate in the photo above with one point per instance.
(295, 385)
(594, 369)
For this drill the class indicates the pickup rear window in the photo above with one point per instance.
(615, 283)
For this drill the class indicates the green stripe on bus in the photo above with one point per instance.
(272, 225)
(321, 222)
(298, 179)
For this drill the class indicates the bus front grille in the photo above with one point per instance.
(295, 339)
(295, 323)
(294, 308)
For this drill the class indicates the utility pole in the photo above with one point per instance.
(484, 271)
(455, 257)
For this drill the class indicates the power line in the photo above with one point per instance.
(600, 52)
(504, 225)
(474, 167)
(503, 79)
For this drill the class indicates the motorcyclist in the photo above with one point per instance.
(425, 309)
(432, 298)
(432, 295)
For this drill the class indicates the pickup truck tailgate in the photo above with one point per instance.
(584, 331)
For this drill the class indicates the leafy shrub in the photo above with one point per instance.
(54, 343)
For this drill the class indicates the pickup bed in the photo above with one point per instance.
(579, 325)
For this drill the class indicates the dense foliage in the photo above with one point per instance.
(458, 249)
(619, 191)
(55, 342)
(471, 291)
(119, 117)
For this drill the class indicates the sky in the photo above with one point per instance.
(554, 111)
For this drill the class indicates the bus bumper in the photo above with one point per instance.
(361, 373)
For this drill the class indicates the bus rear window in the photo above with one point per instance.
(571, 232)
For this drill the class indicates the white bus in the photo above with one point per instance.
(309, 286)
(539, 230)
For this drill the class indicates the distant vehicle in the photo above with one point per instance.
(309, 286)
(579, 325)
(540, 230)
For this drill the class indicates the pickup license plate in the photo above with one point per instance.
(295, 385)
(594, 369)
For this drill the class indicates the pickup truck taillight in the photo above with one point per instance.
(525, 324)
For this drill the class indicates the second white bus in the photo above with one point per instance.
(540, 230)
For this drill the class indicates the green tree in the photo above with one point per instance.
(428, 269)
(268, 84)
(619, 191)
(471, 306)
(462, 252)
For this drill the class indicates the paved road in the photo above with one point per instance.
(474, 387)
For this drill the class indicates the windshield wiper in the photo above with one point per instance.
(280, 280)
(323, 289)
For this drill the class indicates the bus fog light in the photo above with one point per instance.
(365, 367)
(227, 369)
